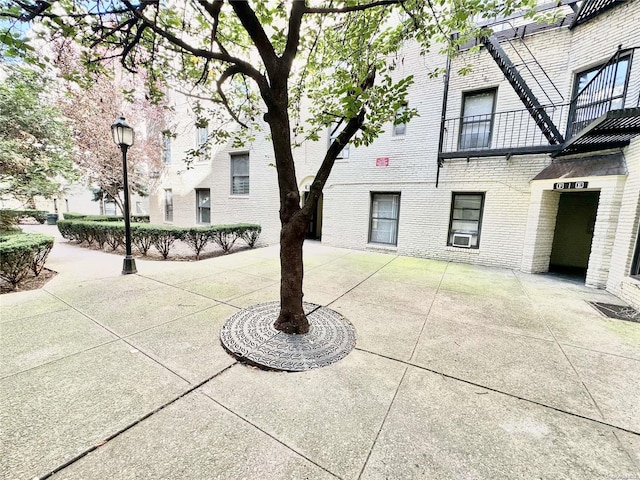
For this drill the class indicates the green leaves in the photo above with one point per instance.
(35, 143)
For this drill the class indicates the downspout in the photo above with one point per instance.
(443, 114)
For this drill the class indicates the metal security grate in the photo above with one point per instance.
(619, 312)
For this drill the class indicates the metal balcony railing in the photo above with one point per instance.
(605, 89)
(499, 133)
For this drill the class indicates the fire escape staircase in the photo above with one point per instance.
(537, 112)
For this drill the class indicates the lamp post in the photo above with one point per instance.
(123, 136)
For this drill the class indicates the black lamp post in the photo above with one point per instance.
(123, 136)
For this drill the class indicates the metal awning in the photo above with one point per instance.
(614, 129)
(593, 166)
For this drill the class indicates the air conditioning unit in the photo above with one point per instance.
(461, 240)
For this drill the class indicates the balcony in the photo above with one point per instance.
(513, 132)
(603, 113)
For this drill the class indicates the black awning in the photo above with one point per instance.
(593, 166)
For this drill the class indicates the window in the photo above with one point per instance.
(166, 147)
(596, 96)
(168, 205)
(240, 174)
(466, 219)
(400, 128)
(383, 227)
(202, 135)
(203, 205)
(635, 265)
(477, 119)
(334, 131)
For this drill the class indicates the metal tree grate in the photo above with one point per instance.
(619, 312)
(249, 336)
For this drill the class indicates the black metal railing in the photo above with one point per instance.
(510, 132)
(605, 89)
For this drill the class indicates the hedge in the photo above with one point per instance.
(105, 218)
(14, 216)
(162, 237)
(22, 254)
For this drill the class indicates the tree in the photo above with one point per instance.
(269, 57)
(91, 105)
(35, 142)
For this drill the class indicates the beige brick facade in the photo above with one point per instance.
(519, 215)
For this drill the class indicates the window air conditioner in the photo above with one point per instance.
(461, 240)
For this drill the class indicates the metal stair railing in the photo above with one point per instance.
(537, 112)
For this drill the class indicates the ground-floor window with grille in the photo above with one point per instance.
(466, 220)
(203, 205)
(383, 225)
(240, 174)
(168, 205)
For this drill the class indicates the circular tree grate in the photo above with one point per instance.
(249, 335)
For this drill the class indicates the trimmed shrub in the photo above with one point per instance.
(162, 236)
(250, 234)
(140, 219)
(197, 238)
(23, 253)
(16, 216)
(225, 236)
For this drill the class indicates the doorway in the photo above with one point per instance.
(314, 232)
(573, 235)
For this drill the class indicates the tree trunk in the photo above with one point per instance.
(293, 222)
(292, 318)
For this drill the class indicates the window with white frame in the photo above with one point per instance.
(240, 174)
(476, 123)
(466, 220)
(383, 224)
(202, 135)
(203, 205)
(399, 127)
(168, 205)
(334, 131)
(166, 147)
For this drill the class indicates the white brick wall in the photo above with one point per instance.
(519, 218)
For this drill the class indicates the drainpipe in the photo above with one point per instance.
(443, 114)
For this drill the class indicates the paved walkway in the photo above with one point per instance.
(460, 372)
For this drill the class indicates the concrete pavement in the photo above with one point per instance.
(459, 372)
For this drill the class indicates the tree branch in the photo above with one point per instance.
(253, 27)
(228, 73)
(245, 67)
(293, 34)
(353, 125)
(353, 8)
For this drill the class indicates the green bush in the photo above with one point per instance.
(15, 216)
(140, 218)
(162, 237)
(249, 233)
(23, 253)
(73, 216)
(197, 238)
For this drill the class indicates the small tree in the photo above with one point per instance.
(35, 142)
(91, 105)
(266, 59)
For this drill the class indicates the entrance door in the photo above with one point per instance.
(314, 231)
(573, 234)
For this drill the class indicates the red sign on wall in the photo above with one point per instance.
(382, 162)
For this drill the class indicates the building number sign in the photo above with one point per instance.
(570, 185)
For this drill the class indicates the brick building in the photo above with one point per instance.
(528, 162)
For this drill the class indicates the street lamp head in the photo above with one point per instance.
(122, 133)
